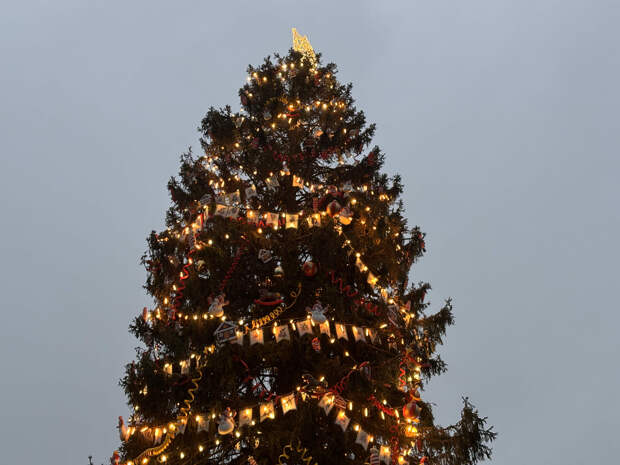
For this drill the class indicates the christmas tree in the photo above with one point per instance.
(283, 328)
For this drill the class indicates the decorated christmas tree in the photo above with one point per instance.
(283, 328)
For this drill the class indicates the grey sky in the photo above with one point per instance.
(502, 117)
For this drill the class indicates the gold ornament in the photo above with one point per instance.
(302, 44)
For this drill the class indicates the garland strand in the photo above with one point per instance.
(170, 434)
(242, 248)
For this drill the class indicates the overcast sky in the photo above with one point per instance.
(501, 116)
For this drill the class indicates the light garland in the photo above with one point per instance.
(267, 410)
(229, 206)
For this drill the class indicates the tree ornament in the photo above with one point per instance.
(374, 456)
(278, 272)
(267, 115)
(310, 268)
(225, 332)
(345, 216)
(302, 45)
(317, 133)
(285, 170)
(315, 204)
(333, 208)
(252, 461)
(216, 307)
(226, 423)
(316, 344)
(317, 313)
(268, 298)
(122, 429)
(265, 255)
(411, 411)
(116, 458)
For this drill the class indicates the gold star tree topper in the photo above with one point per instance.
(302, 44)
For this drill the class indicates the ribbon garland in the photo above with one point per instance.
(303, 451)
(171, 432)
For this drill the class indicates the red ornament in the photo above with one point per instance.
(316, 344)
(310, 268)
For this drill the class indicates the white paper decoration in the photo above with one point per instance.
(266, 411)
(245, 417)
(288, 403)
(341, 331)
(304, 327)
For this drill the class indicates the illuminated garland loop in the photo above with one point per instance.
(230, 333)
(267, 410)
(273, 220)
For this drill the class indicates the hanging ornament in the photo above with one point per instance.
(252, 461)
(266, 411)
(268, 298)
(363, 438)
(292, 220)
(304, 327)
(315, 205)
(122, 429)
(317, 313)
(333, 208)
(310, 268)
(278, 272)
(374, 456)
(216, 307)
(227, 331)
(316, 344)
(265, 255)
(345, 216)
(411, 411)
(393, 314)
(317, 133)
(267, 115)
(115, 459)
(288, 403)
(226, 424)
